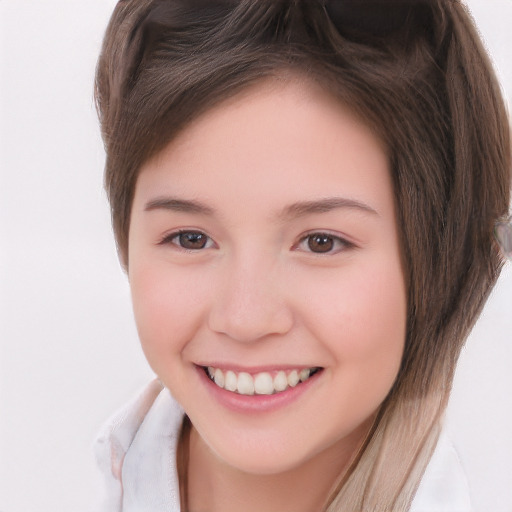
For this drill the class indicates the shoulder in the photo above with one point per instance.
(444, 487)
(135, 452)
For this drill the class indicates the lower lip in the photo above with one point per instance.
(256, 403)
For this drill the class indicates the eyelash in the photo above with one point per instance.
(168, 239)
(337, 243)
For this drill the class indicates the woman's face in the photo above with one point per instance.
(263, 245)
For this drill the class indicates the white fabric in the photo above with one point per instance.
(136, 452)
(444, 487)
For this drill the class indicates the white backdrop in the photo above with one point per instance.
(69, 354)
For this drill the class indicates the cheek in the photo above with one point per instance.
(364, 324)
(167, 307)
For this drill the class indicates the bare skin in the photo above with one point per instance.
(263, 241)
(214, 486)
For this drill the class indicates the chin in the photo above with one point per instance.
(262, 463)
(262, 455)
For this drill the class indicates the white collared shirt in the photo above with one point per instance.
(136, 452)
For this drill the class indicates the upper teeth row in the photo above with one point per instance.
(260, 384)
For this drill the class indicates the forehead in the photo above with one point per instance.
(287, 138)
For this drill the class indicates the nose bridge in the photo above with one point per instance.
(250, 303)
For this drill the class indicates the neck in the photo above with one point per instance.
(215, 486)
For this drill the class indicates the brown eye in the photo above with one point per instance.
(323, 243)
(320, 242)
(189, 240)
(192, 240)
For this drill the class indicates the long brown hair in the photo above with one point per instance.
(427, 89)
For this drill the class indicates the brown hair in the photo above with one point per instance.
(428, 91)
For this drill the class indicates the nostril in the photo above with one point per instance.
(245, 323)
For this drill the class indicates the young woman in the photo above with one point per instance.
(305, 196)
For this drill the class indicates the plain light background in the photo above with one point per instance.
(69, 354)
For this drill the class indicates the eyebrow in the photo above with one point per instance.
(293, 211)
(302, 208)
(178, 205)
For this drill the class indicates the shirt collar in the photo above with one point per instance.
(136, 451)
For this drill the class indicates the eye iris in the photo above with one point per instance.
(320, 243)
(193, 240)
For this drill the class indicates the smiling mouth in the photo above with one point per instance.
(262, 383)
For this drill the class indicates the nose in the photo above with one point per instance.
(250, 303)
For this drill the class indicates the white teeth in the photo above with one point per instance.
(293, 378)
(280, 381)
(245, 384)
(231, 381)
(260, 384)
(219, 378)
(263, 384)
(304, 374)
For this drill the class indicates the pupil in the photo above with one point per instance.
(192, 240)
(320, 243)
